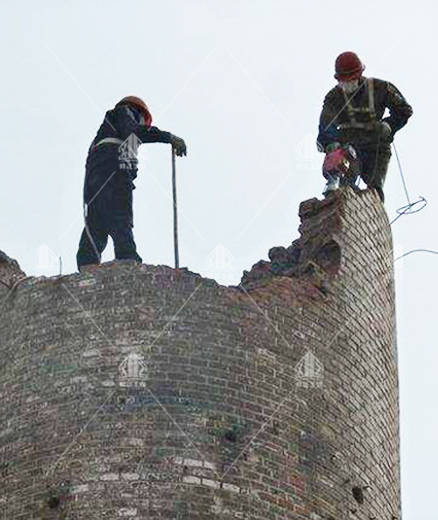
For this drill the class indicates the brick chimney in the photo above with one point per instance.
(148, 392)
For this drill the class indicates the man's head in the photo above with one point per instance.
(140, 104)
(348, 67)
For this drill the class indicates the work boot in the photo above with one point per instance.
(332, 184)
(380, 193)
(127, 261)
(88, 267)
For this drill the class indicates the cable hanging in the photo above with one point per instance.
(417, 251)
(408, 209)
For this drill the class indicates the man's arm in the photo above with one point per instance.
(399, 109)
(328, 134)
(129, 121)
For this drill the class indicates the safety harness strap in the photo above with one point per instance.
(352, 111)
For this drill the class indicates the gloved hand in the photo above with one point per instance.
(179, 146)
(332, 147)
(385, 132)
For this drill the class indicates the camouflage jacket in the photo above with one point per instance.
(356, 118)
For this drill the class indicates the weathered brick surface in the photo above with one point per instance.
(221, 428)
(10, 273)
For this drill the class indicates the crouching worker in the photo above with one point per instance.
(110, 170)
(354, 114)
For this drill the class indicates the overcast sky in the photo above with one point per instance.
(242, 82)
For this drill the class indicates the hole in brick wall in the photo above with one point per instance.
(310, 269)
(358, 494)
(4, 467)
(53, 502)
(230, 436)
(329, 256)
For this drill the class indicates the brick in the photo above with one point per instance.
(211, 483)
(190, 479)
(231, 487)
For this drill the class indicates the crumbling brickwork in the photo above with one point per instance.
(146, 392)
(10, 272)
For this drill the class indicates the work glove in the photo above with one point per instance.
(385, 132)
(179, 146)
(332, 147)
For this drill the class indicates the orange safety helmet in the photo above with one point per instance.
(139, 103)
(348, 67)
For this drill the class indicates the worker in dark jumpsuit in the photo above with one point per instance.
(111, 168)
(353, 113)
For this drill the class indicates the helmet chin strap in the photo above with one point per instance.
(349, 86)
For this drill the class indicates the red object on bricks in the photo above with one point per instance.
(336, 163)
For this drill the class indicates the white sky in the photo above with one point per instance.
(242, 82)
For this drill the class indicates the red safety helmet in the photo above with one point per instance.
(348, 67)
(139, 103)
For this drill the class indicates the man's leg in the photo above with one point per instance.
(124, 245)
(375, 162)
(123, 221)
(87, 253)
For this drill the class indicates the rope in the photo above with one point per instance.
(417, 251)
(401, 173)
(408, 208)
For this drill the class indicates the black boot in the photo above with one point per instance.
(381, 194)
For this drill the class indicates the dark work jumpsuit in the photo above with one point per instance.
(357, 119)
(110, 170)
